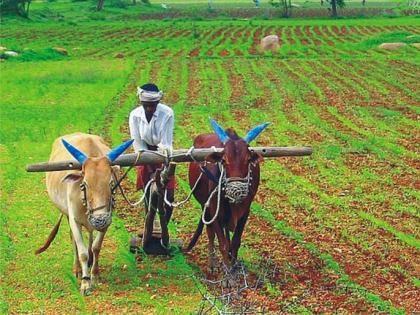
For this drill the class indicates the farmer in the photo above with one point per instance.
(152, 127)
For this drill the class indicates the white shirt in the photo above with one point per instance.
(159, 131)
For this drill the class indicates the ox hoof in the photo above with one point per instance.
(85, 288)
(94, 282)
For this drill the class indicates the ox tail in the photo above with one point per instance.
(196, 235)
(50, 237)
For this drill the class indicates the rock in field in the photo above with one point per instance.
(270, 43)
(392, 46)
(61, 50)
(10, 53)
(119, 55)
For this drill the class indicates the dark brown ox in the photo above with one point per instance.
(237, 172)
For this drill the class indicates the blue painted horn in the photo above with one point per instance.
(78, 155)
(116, 152)
(219, 131)
(255, 132)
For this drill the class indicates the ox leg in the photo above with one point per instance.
(77, 268)
(212, 252)
(228, 279)
(90, 261)
(227, 235)
(236, 239)
(96, 248)
(83, 252)
(223, 243)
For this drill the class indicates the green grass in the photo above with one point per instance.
(363, 204)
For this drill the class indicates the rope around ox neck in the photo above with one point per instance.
(218, 189)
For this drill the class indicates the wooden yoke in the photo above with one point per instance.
(182, 155)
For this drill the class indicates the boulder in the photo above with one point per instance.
(270, 43)
(61, 50)
(119, 55)
(392, 46)
(10, 53)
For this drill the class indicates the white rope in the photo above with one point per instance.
(207, 204)
(181, 203)
(135, 204)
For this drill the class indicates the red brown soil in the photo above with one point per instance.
(302, 277)
(298, 31)
(256, 41)
(290, 40)
(237, 35)
(356, 266)
(193, 83)
(304, 42)
(194, 53)
(312, 99)
(327, 32)
(215, 35)
(224, 53)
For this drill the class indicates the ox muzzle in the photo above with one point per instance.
(237, 188)
(100, 222)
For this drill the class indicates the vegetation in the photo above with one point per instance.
(19, 7)
(341, 227)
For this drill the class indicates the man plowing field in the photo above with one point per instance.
(224, 178)
(152, 127)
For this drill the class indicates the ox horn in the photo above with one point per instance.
(255, 132)
(77, 154)
(219, 131)
(116, 152)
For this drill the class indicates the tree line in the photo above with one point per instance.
(21, 7)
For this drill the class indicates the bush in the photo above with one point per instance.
(19, 7)
(118, 4)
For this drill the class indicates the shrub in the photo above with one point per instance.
(19, 7)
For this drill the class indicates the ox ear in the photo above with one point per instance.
(76, 153)
(219, 131)
(214, 157)
(255, 132)
(116, 152)
(72, 178)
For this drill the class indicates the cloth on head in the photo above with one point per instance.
(149, 96)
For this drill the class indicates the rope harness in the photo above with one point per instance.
(235, 189)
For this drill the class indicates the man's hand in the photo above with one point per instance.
(166, 150)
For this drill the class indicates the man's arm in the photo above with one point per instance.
(168, 133)
(138, 143)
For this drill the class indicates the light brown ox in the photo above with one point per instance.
(85, 197)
